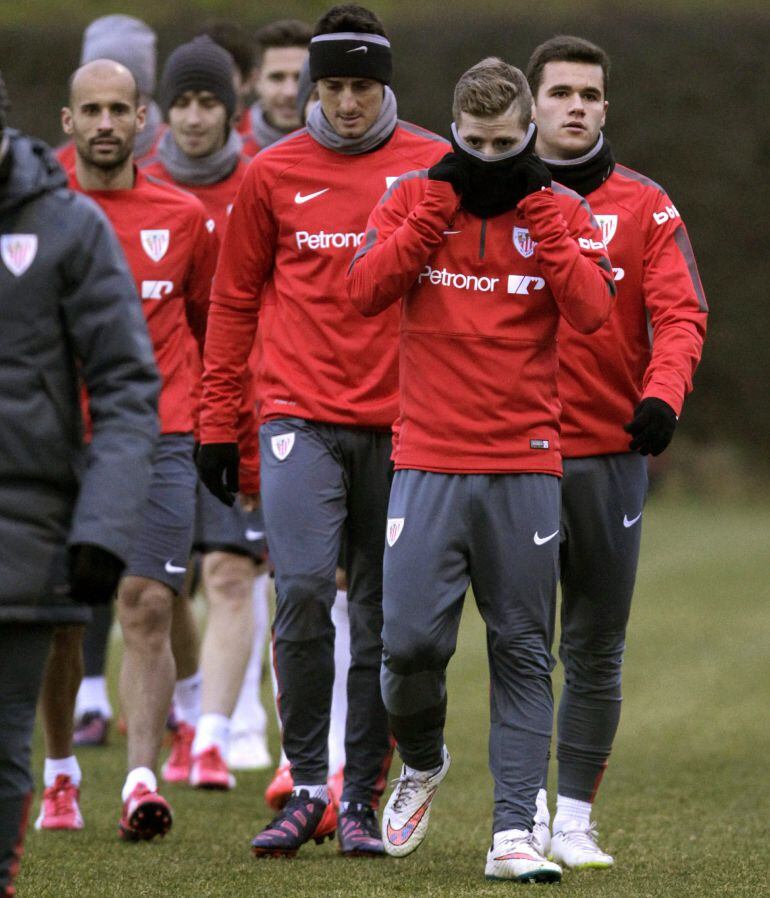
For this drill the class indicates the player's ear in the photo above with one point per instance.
(66, 120)
(141, 118)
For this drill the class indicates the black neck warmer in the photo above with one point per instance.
(492, 184)
(588, 172)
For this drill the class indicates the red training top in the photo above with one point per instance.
(652, 341)
(297, 220)
(482, 299)
(172, 256)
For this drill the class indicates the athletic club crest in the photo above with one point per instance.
(523, 242)
(155, 243)
(282, 445)
(395, 526)
(18, 252)
(608, 224)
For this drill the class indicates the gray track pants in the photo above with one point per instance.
(322, 483)
(498, 533)
(23, 655)
(602, 500)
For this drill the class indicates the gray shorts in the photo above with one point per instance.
(219, 528)
(162, 549)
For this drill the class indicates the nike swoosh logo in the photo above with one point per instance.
(173, 569)
(516, 856)
(540, 540)
(402, 835)
(627, 523)
(252, 535)
(448, 233)
(299, 199)
(361, 49)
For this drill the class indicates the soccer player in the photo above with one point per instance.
(131, 42)
(172, 255)
(629, 378)
(488, 257)
(201, 152)
(240, 46)
(281, 51)
(67, 522)
(328, 394)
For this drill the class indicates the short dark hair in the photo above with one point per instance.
(349, 17)
(282, 33)
(490, 88)
(235, 40)
(566, 48)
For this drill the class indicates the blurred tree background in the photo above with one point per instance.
(689, 107)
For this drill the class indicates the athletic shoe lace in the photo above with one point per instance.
(584, 838)
(516, 843)
(62, 797)
(406, 785)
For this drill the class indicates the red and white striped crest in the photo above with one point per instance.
(18, 252)
(282, 445)
(523, 242)
(155, 243)
(395, 526)
(608, 224)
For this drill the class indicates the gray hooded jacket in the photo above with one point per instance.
(68, 309)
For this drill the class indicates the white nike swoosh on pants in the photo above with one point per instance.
(540, 540)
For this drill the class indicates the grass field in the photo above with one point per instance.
(684, 808)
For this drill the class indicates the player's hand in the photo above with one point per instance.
(449, 169)
(94, 574)
(532, 175)
(250, 501)
(218, 469)
(652, 426)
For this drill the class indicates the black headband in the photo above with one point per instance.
(349, 54)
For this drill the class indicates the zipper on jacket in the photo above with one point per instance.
(483, 239)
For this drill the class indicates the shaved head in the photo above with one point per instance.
(99, 73)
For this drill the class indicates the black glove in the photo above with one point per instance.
(218, 467)
(532, 175)
(450, 169)
(652, 426)
(94, 574)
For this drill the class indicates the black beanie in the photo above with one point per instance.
(349, 54)
(198, 65)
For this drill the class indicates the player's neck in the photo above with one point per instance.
(91, 177)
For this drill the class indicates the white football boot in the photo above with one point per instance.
(541, 831)
(248, 751)
(513, 855)
(574, 845)
(406, 815)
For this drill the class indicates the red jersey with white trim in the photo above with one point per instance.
(218, 200)
(482, 300)
(652, 341)
(172, 256)
(297, 220)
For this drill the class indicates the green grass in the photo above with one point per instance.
(684, 807)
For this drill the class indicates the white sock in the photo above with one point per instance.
(136, 776)
(187, 699)
(571, 810)
(542, 815)
(212, 729)
(313, 791)
(92, 696)
(339, 711)
(55, 766)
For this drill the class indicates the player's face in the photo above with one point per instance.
(492, 135)
(198, 121)
(276, 85)
(569, 109)
(351, 105)
(103, 118)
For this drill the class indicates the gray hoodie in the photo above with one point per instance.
(68, 310)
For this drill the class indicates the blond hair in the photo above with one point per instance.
(490, 88)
